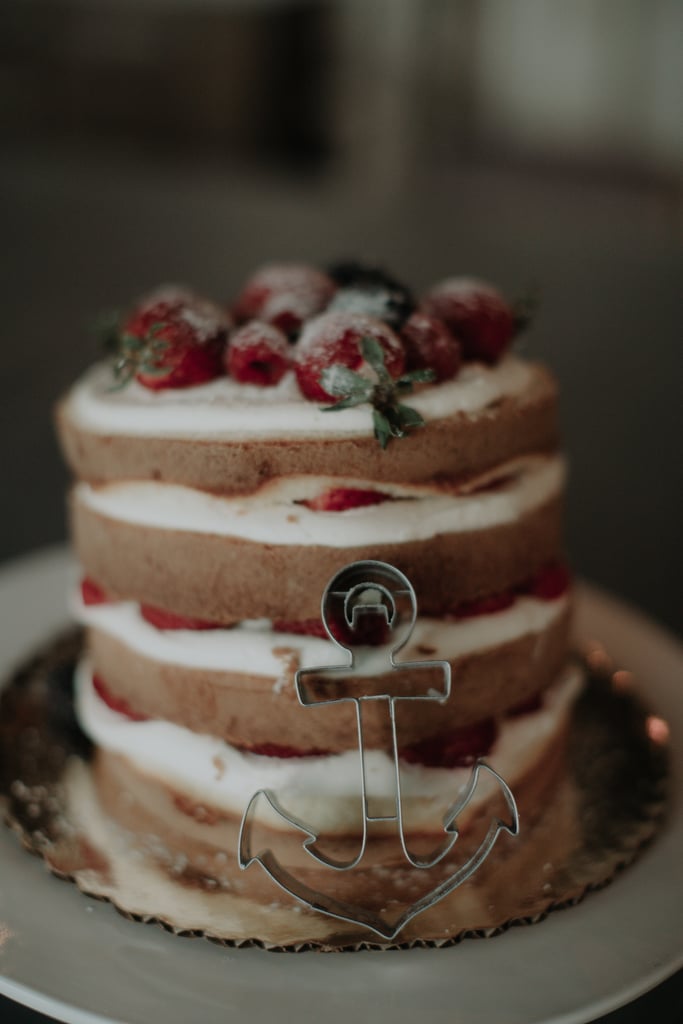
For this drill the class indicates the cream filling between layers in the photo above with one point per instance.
(252, 647)
(225, 409)
(322, 791)
(272, 514)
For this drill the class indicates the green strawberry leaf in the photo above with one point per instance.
(390, 417)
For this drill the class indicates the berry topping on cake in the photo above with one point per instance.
(476, 313)
(172, 339)
(363, 288)
(92, 593)
(339, 499)
(285, 295)
(162, 619)
(258, 353)
(429, 344)
(456, 749)
(334, 339)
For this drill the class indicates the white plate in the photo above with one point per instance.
(79, 961)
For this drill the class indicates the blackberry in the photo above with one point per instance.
(365, 288)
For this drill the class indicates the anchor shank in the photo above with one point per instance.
(387, 808)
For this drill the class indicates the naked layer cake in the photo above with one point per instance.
(230, 461)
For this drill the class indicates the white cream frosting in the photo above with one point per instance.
(226, 409)
(251, 647)
(271, 515)
(323, 791)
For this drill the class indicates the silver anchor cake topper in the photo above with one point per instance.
(376, 595)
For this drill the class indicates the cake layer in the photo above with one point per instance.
(229, 438)
(268, 555)
(322, 791)
(238, 684)
(200, 850)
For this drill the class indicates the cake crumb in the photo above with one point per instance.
(219, 765)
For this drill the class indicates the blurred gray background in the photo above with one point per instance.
(538, 142)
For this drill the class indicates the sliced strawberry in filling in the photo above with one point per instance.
(118, 704)
(169, 620)
(283, 750)
(484, 605)
(455, 749)
(302, 627)
(526, 707)
(339, 499)
(92, 593)
(551, 582)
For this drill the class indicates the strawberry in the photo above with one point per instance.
(258, 353)
(526, 707)
(284, 295)
(172, 339)
(372, 630)
(118, 704)
(334, 339)
(476, 313)
(551, 582)
(484, 605)
(92, 593)
(301, 627)
(339, 499)
(429, 344)
(169, 620)
(456, 749)
(282, 750)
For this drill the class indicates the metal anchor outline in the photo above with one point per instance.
(314, 899)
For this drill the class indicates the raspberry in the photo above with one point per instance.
(172, 339)
(551, 582)
(169, 620)
(284, 294)
(484, 605)
(258, 353)
(430, 345)
(334, 338)
(118, 704)
(476, 313)
(339, 499)
(456, 749)
(92, 593)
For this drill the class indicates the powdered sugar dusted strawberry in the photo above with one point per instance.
(172, 339)
(258, 353)
(285, 295)
(429, 344)
(334, 339)
(476, 313)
